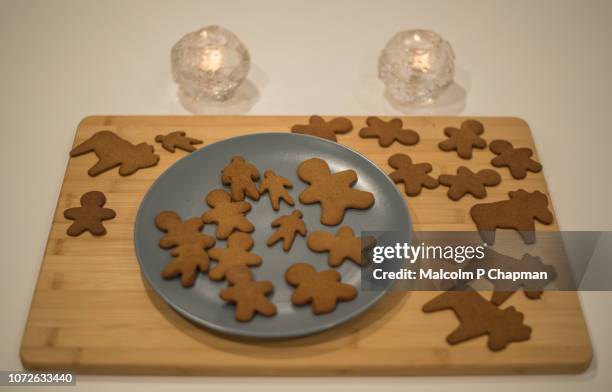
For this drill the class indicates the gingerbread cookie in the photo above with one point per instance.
(478, 317)
(320, 289)
(90, 215)
(518, 213)
(317, 126)
(518, 160)
(236, 253)
(249, 296)
(228, 215)
(466, 181)
(388, 132)
(113, 151)
(275, 186)
(288, 227)
(464, 139)
(342, 246)
(333, 191)
(240, 174)
(413, 175)
(189, 246)
(177, 139)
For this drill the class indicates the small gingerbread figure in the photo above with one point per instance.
(249, 296)
(317, 126)
(288, 227)
(240, 176)
(228, 215)
(518, 160)
(276, 186)
(341, 246)
(320, 289)
(177, 139)
(189, 246)
(90, 215)
(236, 253)
(464, 139)
(388, 132)
(413, 175)
(466, 181)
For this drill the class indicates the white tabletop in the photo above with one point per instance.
(548, 62)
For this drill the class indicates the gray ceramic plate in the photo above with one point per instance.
(183, 187)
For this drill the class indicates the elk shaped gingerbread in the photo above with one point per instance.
(341, 246)
(413, 175)
(466, 181)
(334, 192)
(518, 213)
(189, 246)
(113, 151)
(464, 139)
(276, 187)
(388, 132)
(236, 253)
(228, 215)
(90, 215)
(248, 296)
(320, 289)
(240, 176)
(478, 317)
(288, 227)
(317, 126)
(177, 139)
(518, 160)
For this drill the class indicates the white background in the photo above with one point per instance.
(546, 61)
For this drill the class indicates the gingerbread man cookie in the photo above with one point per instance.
(236, 253)
(518, 160)
(518, 213)
(478, 317)
(189, 246)
(388, 132)
(177, 139)
(113, 151)
(464, 139)
(249, 296)
(228, 215)
(90, 215)
(240, 175)
(275, 186)
(413, 175)
(466, 181)
(317, 126)
(320, 289)
(288, 227)
(342, 246)
(334, 192)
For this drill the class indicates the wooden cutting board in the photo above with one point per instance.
(93, 313)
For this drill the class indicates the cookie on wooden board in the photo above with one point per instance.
(240, 176)
(388, 132)
(317, 126)
(518, 160)
(227, 214)
(466, 181)
(413, 175)
(464, 139)
(334, 191)
(113, 151)
(90, 215)
(177, 139)
(322, 290)
(479, 317)
(235, 253)
(341, 246)
(288, 227)
(249, 297)
(276, 187)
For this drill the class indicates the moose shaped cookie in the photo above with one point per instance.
(518, 213)
(341, 246)
(276, 187)
(464, 139)
(466, 181)
(413, 175)
(317, 126)
(113, 151)
(177, 139)
(228, 215)
(248, 296)
(236, 253)
(518, 160)
(288, 227)
(90, 215)
(388, 132)
(320, 289)
(189, 246)
(240, 176)
(334, 192)
(478, 317)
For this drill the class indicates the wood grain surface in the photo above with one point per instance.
(93, 313)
